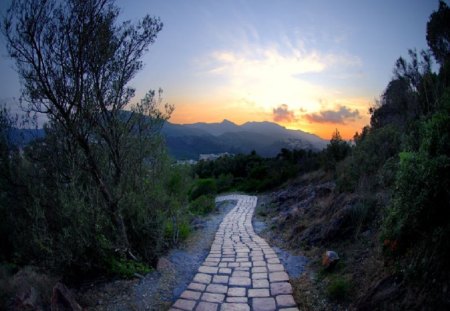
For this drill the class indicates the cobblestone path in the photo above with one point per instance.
(241, 272)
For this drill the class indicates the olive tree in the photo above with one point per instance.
(75, 60)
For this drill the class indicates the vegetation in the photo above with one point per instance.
(254, 173)
(339, 288)
(97, 194)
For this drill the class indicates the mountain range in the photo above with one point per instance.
(188, 141)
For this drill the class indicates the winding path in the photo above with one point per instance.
(241, 272)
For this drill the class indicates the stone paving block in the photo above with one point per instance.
(275, 267)
(271, 256)
(285, 301)
(241, 273)
(273, 260)
(202, 278)
(224, 271)
(228, 259)
(240, 281)
(222, 279)
(261, 283)
(237, 299)
(280, 288)
(217, 288)
(236, 291)
(278, 276)
(263, 304)
(259, 292)
(207, 306)
(235, 307)
(261, 263)
(209, 270)
(242, 269)
(188, 294)
(184, 304)
(259, 269)
(210, 297)
(258, 276)
(212, 259)
(197, 286)
(289, 309)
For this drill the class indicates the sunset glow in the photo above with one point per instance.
(305, 65)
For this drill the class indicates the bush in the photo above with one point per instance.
(224, 182)
(362, 213)
(128, 268)
(417, 219)
(339, 288)
(202, 205)
(201, 187)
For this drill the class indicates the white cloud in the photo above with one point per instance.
(272, 74)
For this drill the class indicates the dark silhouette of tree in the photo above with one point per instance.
(336, 151)
(438, 33)
(75, 61)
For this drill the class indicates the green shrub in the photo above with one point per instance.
(202, 205)
(416, 222)
(202, 187)
(224, 182)
(184, 230)
(339, 288)
(128, 268)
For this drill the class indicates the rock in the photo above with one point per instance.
(164, 264)
(330, 259)
(63, 299)
(27, 299)
(325, 189)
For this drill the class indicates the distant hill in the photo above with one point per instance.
(22, 137)
(188, 141)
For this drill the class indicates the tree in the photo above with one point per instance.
(438, 33)
(75, 61)
(336, 151)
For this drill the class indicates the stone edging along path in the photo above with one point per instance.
(241, 272)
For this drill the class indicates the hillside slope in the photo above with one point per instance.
(188, 141)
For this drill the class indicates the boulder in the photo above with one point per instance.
(330, 259)
(63, 299)
(27, 299)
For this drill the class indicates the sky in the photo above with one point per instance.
(312, 65)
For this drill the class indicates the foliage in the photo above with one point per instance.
(255, 174)
(128, 268)
(202, 205)
(339, 288)
(336, 151)
(438, 33)
(418, 216)
(203, 187)
(93, 195)
(83, 91)
(416, 229)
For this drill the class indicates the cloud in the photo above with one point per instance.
(339, 116)
(283, 114)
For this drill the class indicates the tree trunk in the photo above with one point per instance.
(113, 208)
